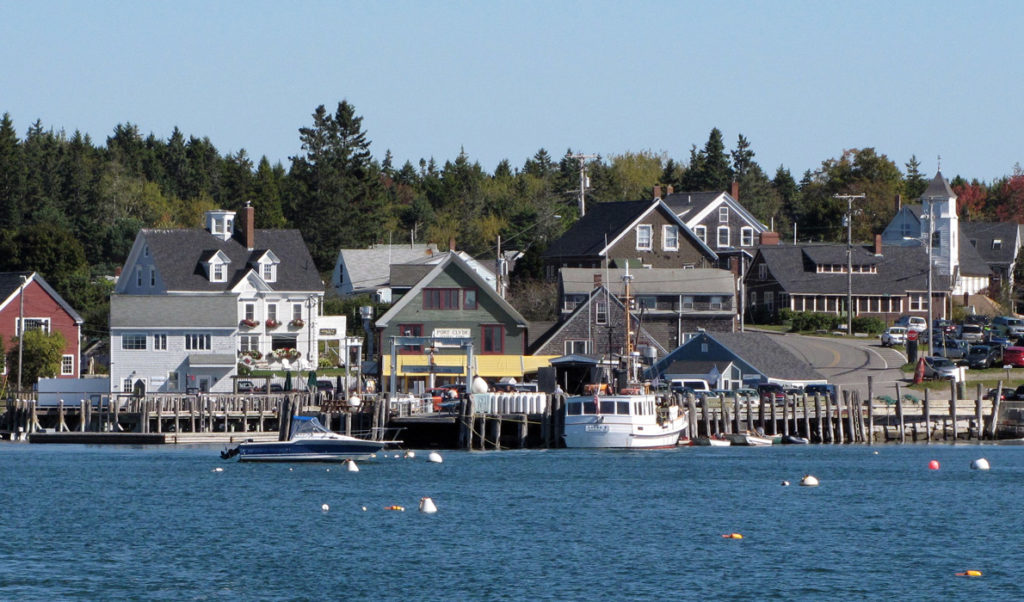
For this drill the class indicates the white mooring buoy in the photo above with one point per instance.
(809, 481)
(435, 458)
(325, 507)
(352, 466)
(427, 505)
(785, 483)
(218, 469)
(980, 464)
(410, 454)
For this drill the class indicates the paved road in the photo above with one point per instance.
(849, 362)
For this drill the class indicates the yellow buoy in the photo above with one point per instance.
(732, 536)
(969, 573)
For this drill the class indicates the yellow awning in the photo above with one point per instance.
(487, 366)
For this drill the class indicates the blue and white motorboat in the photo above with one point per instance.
(309, 441)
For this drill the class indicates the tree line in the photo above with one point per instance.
(70, 208)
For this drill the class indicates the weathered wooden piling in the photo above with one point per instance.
(870, 438)
(927, 417)
(979, 419)
(994, 419)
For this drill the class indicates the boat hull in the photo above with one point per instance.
(625, 430)
(328, 450)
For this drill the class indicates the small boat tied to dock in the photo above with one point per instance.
(309, 441)
(631, 418)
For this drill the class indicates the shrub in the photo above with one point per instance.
(804, 321)
(869, 325)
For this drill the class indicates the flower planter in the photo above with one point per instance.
(273, 323)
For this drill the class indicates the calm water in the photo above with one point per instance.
(157, 523)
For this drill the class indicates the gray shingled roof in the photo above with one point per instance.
(938, 188)
(984, 233)
(651, 281)
(900, 269)
(602, 223)
(687, 204)
(178, 255)
(174, 311)
(764, 353)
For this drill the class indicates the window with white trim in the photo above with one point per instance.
(762, 271)
(32, 324)
(701, 232)
(160, 342)
(272, 311)
(296, 311)
(577, 346)
(670, 237)
(269, 273)
(197, 342)
(716, 302)
(133, 341)
(723, 215)
(249, 342)
(746, 236)
(997, 244)
(250, 311)
(67, 365)
(126, 385)
(687, 301)
(643, 237)
(917, 302)
(723, 236)
(219, 274)
(601, 312)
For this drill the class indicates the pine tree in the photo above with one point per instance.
(12, 175)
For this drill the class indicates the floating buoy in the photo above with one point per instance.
(325, 507)
(395, 508)
(364, 508)
(809, 481)
(969, 573)
(980, 464)
(785, 483)
(410, 454)
(876, 453)
(290, 469)
(731, 536)
(218, 469)
(397, 456)
(427, 505)
(435, 457)
(352, 466)
(328, 470)
(933, 465)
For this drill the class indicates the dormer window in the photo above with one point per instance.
(217, 267)
(266, 266)
(997, 244)
(269, 272)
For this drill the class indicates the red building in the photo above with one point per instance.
(25, 298)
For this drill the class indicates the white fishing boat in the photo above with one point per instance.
(631, 421)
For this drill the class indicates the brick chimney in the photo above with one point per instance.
(249, 219)
(735, 190)
(669, 190)
(878, 244)
(899, 202)
(769, 238)
(657, 191)
(451, 244)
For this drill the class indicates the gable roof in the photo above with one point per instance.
(692, 207)
(178, 255)
(584, 307)
(10, 284)
(986, 232)
(605, 223)
(368, 269)
(650, 281)
(970, 259)
(758, 351)
(452, 259)
(900, 269)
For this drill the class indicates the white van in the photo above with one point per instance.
(700, 387)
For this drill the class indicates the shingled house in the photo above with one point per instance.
(640, 233)
(887, 281)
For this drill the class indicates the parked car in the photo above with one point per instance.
(977, 319)
(915, 323)
(1013, 356)
(771, 392)
(698, 385)
(991, 394)
(894, 335)
(1017, 394)
(1008, 326)
(939, 368)
(825, 390)
(948, 348)
(944, 325)
(971, 333)
(984, 356)
(246, 386)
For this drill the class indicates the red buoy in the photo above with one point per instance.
(933, 465)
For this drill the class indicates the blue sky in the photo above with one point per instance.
(801, 80)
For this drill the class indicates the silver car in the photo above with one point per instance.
(939, 368)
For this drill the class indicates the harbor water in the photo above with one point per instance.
(114, 522)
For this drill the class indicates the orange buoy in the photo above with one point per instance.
(933, 465)
(969, 573)
(732, 536)
(397, 508)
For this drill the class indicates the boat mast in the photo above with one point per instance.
(626, 279)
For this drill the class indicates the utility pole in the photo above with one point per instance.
(21, 326)
(849, 198)
(583, 178)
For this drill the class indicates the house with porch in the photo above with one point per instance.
(885, 281)
(452, 324)
(192, 304)
(28, 302)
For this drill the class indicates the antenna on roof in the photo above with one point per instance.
(940, 162)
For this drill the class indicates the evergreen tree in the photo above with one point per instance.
(339, 203)
(12, 175)
(914, 184)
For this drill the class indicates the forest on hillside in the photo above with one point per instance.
(70, 208)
